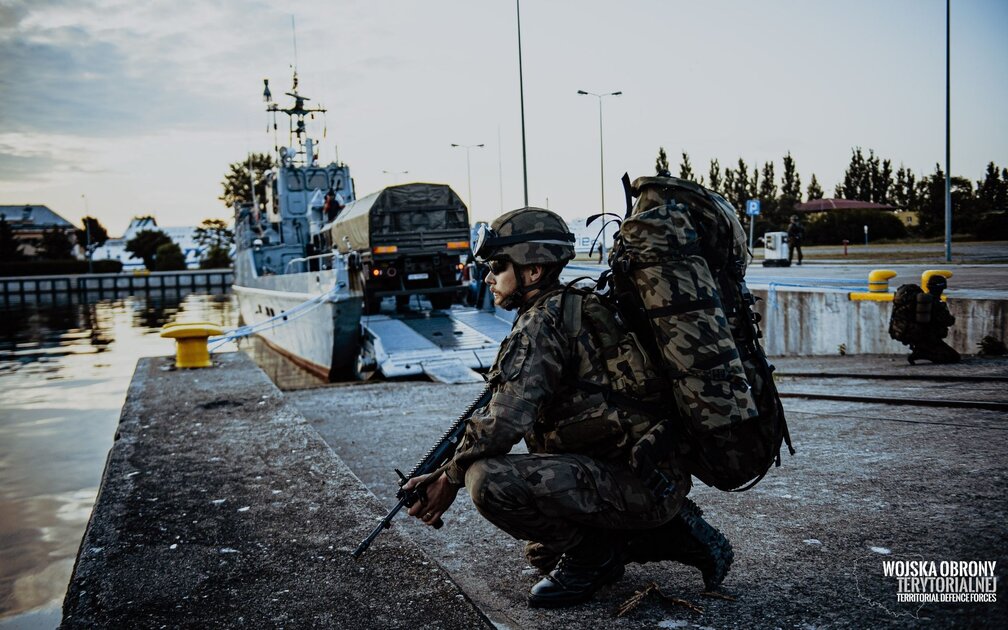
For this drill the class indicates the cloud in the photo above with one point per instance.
(113, 68)
(39, 161)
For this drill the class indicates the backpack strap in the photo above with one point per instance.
(571, 314)
(570, 310)
(628, 193)
(628, 403)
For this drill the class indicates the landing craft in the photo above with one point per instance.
(313, 258)
(281, 275)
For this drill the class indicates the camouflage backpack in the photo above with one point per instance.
(677, 269)
(903, 324)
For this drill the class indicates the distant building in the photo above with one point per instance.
(29, 221)
(184, 237)
(585, 235)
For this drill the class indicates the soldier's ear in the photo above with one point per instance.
(533, 273)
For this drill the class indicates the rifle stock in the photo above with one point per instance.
(438, 455)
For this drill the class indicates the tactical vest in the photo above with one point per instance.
(608, 396)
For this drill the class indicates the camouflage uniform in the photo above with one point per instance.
(795, 234)
(930, 345)
(921, 320)
(577, 473)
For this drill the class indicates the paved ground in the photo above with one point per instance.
(870, 482)
(975, 266)
(220, 507)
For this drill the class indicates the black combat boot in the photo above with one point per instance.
(593, 563)
(689, 539)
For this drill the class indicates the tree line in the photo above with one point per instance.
(980, 211)
(154, 247)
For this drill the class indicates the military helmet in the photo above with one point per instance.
(936, 283)
(526, 236)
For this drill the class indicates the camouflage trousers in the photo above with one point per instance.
(552, 500)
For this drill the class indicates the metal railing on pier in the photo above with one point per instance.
(91, 287)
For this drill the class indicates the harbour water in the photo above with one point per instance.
(64, 372)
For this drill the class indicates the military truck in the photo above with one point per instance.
(412, 239)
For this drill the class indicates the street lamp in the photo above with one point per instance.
(467, 147)
(601, 159)
(396, 174)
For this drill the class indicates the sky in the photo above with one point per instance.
(119, 108)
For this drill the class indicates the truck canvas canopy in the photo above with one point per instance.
(399, 210)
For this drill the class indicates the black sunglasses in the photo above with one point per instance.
(498, 265)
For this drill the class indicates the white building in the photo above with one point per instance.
(184, 237)
(585, 235)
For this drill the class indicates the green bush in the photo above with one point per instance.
(832, 228)
(169, 257)
(57, 267)
(216, 257)
(993, 226)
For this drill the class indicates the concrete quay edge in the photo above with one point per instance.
(221, 507)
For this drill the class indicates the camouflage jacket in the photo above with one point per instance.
(795, 232)
(539, 394)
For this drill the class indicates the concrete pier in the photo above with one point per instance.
(870, 482)
(220, 507)
(227, 503)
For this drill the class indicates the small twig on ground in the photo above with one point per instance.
(631, 604)
(717, 595)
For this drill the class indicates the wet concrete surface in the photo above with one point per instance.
(869, 483)
(220, 507)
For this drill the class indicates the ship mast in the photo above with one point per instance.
(296, 115)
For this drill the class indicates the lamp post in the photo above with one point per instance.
(601, 159)
(521, 92)
(467, 147)
(396, 174)
(948, 127)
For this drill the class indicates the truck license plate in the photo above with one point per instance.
(417, 276)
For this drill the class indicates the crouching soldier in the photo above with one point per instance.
(575, 496)
(921, 320)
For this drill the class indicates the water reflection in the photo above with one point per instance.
(64, 371)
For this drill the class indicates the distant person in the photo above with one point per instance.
(334, 202)
(921, 320)
(795, 234)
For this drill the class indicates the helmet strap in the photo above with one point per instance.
(519, 295)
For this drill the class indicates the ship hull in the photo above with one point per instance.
(323, 338)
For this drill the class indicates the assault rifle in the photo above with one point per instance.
(439, 454)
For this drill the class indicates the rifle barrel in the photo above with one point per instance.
(385, 523)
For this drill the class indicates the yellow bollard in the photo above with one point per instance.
(878, 287)
(934, 272)
(191, 342)
(878, 280)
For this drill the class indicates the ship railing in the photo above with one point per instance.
(307, 258)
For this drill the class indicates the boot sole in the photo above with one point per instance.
(721, 552)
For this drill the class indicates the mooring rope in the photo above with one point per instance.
(283, 318)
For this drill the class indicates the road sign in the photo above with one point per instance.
(752, 207)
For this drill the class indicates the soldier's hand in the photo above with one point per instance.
(439, 495)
